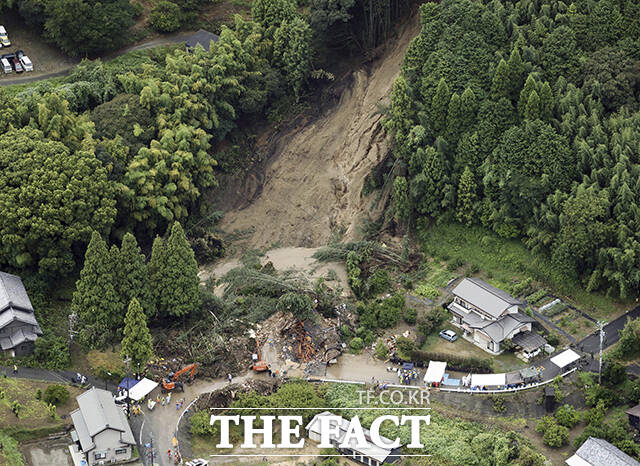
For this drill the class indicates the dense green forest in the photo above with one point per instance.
(522, 116)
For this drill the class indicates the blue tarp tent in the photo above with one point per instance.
(127, 383)
(407, 366)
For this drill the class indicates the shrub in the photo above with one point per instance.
(166, 17)
(460, 363)
(405, 347)
(553, 434)
(199, 423)
(567, 416)
(427, 290)
(382, 352)
(498, 404)
(346, 331)
(137, 9)
(356, 344)
(614, 374)
(378, 283)
(51, 352)
(410, 316)
(56, 395)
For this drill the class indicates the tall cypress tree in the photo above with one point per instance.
(546, 102)
(529, 86)
(501, 85)
(95, 301)
(469, 109)
(401, 199)
(467, 197)
(532, 112)
(454, 120)
(136, 340)
(180, 293)
(516, 73)
(155, 269)
(439, 107)
(133, 276)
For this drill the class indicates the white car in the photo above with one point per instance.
(26, 63)
(6, 66)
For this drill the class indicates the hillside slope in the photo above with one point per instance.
(312, 183)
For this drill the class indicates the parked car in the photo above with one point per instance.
(6, 66)
(448, 335)
(26, 63)
(17, 65)
(197, 462)
(4, 37)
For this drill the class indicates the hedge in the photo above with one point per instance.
(462, 364)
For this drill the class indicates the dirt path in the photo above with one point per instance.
(313, 182)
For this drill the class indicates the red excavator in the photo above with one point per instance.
(258, 364)
(171, 383)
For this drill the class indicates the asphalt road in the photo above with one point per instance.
(165, 40)
(591, 344)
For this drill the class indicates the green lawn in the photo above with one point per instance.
(504, 262)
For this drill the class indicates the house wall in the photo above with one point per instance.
(107, 442)
(24, 349)
(470, 307)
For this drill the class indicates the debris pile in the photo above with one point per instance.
(223, 397)
(289, 341)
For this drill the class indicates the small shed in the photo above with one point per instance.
(634, 416)
(530, 374)
(202, 37)
(127, 383)
(565, 359)
(435, 372)
(530, 342)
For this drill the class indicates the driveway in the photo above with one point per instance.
(591, 344)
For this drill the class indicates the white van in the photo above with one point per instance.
(6, 66)
(26, 63)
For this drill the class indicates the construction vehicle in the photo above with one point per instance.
(171, 383)
(259, 365)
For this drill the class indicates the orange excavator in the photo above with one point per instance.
(259, 365)
(171, 383)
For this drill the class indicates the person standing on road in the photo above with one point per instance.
(230, 378)
(15, 369)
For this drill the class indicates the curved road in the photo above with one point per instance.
(160, 41)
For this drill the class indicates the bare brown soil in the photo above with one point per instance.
(311, 189)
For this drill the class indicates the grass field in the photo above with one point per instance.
(34, 413)
(504, 262)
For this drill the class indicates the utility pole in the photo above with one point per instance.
(602, 333)
(127, 360)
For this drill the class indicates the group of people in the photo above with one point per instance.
(408, 376)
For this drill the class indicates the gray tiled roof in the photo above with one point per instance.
(203, 38)
(82, 430)
(12, 293)
(486, 297)
(499, 329)
(19, 336)
(9, 315)
(599, 452)
(529, 341)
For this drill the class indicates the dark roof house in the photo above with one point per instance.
(203, 38)
(598, 452)
(18, 325)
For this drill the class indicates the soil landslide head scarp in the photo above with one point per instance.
(313, 181)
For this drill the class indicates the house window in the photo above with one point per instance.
(99, 456)
(121, 451)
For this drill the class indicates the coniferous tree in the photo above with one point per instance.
(454, 120)
(469, 109)
(429, 188)
(529, 86)
(95, 301)
(467, 196)
(155, 268)
(501, 86)
(136, 340)
(180, 293)
(133, 276)
(439, 107)
(546, 102)
(516, 73)
(532, 112)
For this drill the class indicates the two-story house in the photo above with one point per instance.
(19, 328)
(102, 434)
(486, 314)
